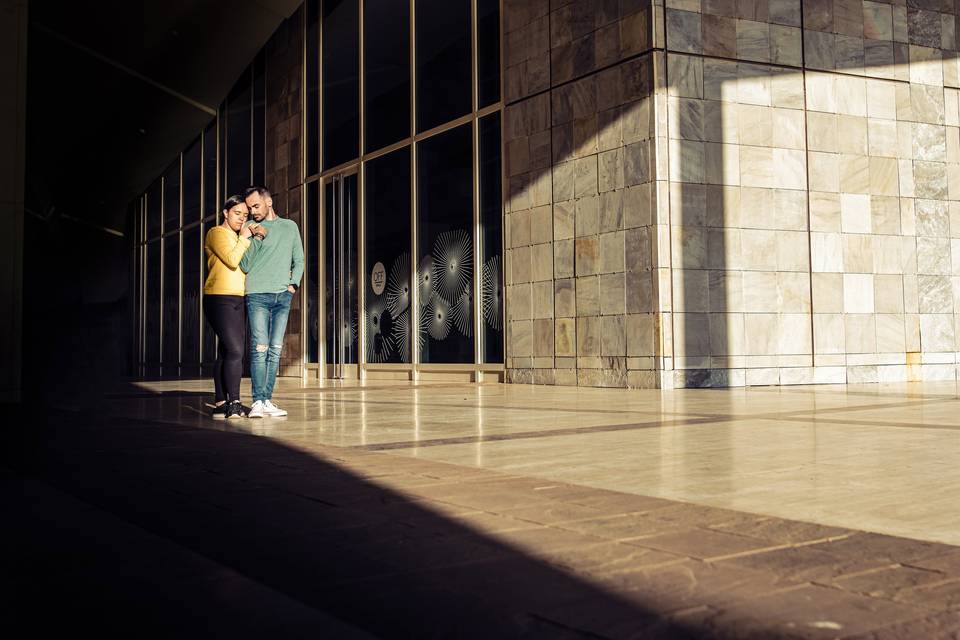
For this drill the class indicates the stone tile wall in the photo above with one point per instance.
(580, 210)
(801, 186)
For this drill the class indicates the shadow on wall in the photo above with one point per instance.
(303, 525)
(802, 156)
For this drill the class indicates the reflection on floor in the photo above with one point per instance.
(875, 457)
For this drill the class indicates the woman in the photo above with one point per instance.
(223, 306)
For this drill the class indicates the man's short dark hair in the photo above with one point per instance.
(249, 191)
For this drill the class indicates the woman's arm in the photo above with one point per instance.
(229, 249)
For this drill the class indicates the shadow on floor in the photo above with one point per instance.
(160, 530)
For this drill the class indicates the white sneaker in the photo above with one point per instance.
(273, 410)
(257, 410)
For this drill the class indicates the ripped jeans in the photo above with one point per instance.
(267, 320)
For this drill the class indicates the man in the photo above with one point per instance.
(274, 265)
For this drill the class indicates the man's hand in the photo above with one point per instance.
(258, 230)
(292, 289)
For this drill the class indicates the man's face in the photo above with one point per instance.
(258, 205)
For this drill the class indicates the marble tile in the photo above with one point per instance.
(587, 292)
(855, 213)
(858, 290)
(828, 292)
(683, 31)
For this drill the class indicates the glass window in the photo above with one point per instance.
(191, 183)
(388, 268)
(138, 331)
(443, 61)
(491, 241)
(238, 136)
(259, 119)
(488, 52)
(155, 209)
(311, 274)
(171, 304)
(190, 310)
(313, 87)
(387, 73)
(171, 197)
(151, 328)
(341, 81)
(445, 246)
(222, 164)
(211, 200)
(209, 337)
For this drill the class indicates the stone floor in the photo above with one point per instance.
(449, 510)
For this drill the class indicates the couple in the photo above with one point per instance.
(260, 263)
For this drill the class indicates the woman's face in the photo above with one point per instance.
(235, 216)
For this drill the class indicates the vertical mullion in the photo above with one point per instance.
(503, 194)
(201, 330)
(251, 72)
(163, 267)
(305, 222)
(143, 278)
(415, 257)
(180, 277)
(361, 266)
(475, 151)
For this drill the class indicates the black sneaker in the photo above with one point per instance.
(235, 410)
(219, 412)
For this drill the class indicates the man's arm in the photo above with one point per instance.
(296, 264)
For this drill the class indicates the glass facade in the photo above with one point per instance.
(443, 61)
(340, 62)
(445, 240)
(388, 293)
(386, 64)
(399, 181)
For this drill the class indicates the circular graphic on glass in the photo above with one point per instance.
(400, 336)
(398, 285)
(461, 314)
(379, 328)
(425, 278)
(452, 263)
(492, 292)
(437, 318)
(378, 278)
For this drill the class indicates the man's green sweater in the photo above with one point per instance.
(276, 261)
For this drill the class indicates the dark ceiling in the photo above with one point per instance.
(115, 89)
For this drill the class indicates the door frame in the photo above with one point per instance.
(329, 370)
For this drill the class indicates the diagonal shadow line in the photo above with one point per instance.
(872, 423)
(320, 533)
(790, 416)
(529, 435)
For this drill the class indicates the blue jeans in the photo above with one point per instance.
(267, 317)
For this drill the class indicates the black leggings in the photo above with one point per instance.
(226, 315)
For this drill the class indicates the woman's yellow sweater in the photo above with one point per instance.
(224, 248)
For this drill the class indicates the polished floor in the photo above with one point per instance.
(881, 458)
(440, 510)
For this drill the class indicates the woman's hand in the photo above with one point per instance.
(246, 232)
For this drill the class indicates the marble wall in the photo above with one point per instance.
(800, 214)
(581, 277)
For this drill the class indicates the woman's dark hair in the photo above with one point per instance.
(231, 202)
